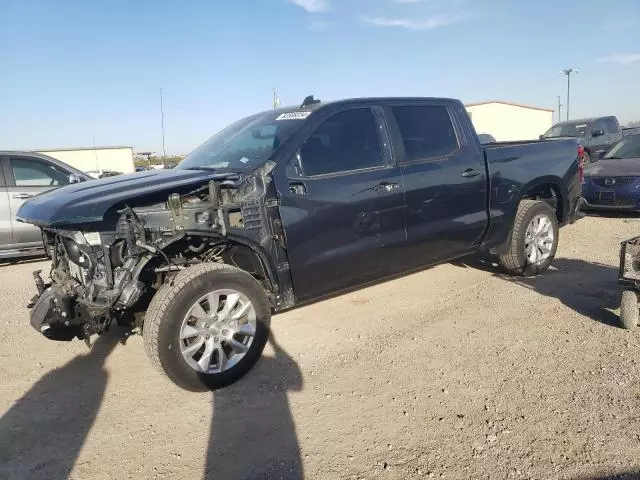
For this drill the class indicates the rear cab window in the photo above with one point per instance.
(426, 132)
(612, 125)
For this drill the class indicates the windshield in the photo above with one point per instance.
(245, 144)
(568, 129)
(628, 147)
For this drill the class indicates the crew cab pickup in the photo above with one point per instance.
(285, 207)
(597, 135)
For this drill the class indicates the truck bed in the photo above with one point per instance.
(510, 168)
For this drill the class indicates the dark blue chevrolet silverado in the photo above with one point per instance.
(285, 207)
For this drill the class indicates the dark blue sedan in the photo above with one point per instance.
(613, 182)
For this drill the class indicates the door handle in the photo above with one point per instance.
(297, 188)
(386, 187)
(470, 172)
(22, 195)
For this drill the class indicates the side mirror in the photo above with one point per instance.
(597, 132)
(541, 137)
(75, 178)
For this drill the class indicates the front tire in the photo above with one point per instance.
(207, 328)
(533, 240)
(629, 309)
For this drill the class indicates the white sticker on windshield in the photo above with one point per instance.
(293, 116)
(245, 160)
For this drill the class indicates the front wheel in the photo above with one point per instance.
(207, 328)
(533, 241)
(629, 309)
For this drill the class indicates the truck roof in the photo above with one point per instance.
(586, 120)
(362, 101)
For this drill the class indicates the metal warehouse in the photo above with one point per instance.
(510, 121)
(98, 159)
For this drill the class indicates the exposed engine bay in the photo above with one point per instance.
(109, 271)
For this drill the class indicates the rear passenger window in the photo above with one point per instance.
(345, 142)
(612, 125)
(426, 131)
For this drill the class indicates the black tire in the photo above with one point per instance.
(163, 320)
(629, 309)
(515, 260)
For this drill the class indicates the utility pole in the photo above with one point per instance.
(559, 109)
(568, 72)
(276, 99)
(164, 153)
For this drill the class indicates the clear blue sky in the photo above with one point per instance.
(72, 70)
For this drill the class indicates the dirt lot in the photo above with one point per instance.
(454, 372)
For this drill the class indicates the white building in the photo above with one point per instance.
(98, 159)
(510, 121)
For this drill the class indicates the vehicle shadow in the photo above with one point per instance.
(253, 435)
(590, 289)
(8, 262)
(42, 433)
(616, 476)
(613, 214)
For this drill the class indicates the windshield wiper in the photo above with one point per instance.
(204, 168)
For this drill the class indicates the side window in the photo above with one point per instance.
(426, 131)
(33, 172)
(599, 125)
(345, 142)
(612, 126)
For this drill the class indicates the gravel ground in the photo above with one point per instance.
(454, 372)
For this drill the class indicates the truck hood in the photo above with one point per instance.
(626, 167)
(88, 202)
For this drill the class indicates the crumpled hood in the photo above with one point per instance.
(628, 167)
(88, 202)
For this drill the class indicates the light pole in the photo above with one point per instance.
(568, 72)
(164, 153)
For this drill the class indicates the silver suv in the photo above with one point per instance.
(22, 176)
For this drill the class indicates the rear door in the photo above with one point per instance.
(613, 131)
(27, 176)
(445, 181)
(5, 212)
(341, 203)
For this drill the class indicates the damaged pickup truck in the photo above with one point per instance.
(285, 207)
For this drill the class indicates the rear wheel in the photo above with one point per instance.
(534, 239)
(207, 328)
(629, 309)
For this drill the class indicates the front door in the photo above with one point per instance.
(445, 183)
(601, 143)
(342, 205)
(27, 176)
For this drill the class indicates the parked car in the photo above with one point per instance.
(597, 135)
(614, 182)
(23, 175)
(285, 207)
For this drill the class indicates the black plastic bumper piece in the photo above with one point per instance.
(46, 317)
